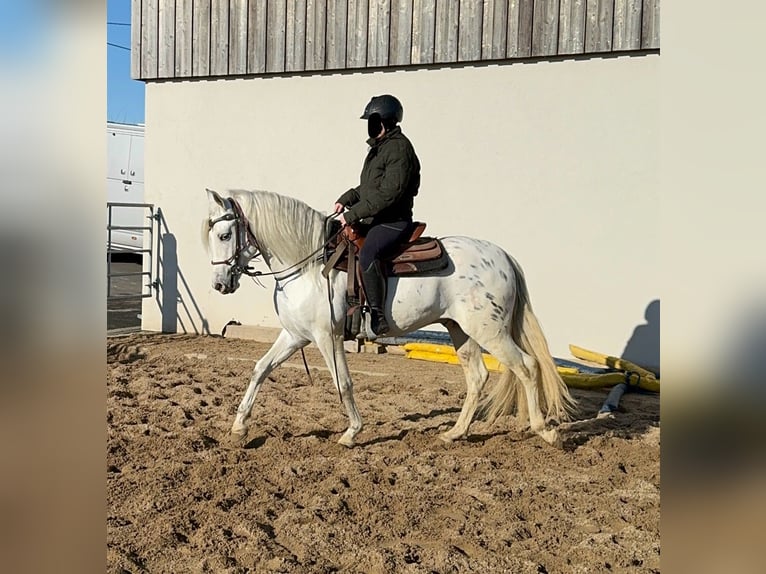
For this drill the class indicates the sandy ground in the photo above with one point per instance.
(183, 497)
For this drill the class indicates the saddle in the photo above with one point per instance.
(417, 256)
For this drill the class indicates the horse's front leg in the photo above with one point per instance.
(334, 355)
(285, 345)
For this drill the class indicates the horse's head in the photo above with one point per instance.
(230, 242)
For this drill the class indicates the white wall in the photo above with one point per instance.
(556, 162)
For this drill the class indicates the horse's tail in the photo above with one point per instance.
(559, 404)
(555, 400)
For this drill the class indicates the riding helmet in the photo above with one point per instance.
(386, 106)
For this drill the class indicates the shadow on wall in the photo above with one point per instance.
(174, 297)
(643, 347)
(743, 350)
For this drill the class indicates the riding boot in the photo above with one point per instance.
(375, 289)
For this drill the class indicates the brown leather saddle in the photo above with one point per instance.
(418, 256)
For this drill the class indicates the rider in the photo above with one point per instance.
(384, 197)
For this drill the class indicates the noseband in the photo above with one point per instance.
(245, 239)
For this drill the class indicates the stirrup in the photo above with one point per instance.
(364, 328)
(375, 334)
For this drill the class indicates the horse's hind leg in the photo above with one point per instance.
(526, 370)
(476, 374)
(285, 345)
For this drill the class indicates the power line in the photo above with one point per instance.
(118, 46)
(118, 23)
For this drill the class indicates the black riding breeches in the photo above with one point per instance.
(381, 239)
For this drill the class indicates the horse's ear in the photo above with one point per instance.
(212, 196)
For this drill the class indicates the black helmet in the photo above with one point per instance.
(387, 107)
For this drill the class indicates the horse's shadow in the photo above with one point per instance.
(319, 433)
(638, 413)
(431, 414)
(255, 443)
(259, 441)
(381, 439)
(510, 434)
(415, 417)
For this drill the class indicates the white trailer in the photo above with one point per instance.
(125, 187)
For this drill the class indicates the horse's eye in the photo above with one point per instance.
(225, 236)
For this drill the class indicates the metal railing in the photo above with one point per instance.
(146, 253)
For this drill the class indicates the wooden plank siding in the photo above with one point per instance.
(377, 33)
(470, 22)
(494, 29)
(572, 27)
(400, 48)
(237, 37)
(135, 39)
(627, 24)
(256, 37)
(201, 38)
(184, 38)
(296, 36)
(219, 37)
(150, 34)
(166, 59)
(650, 25)
(520, 29)
(423, 30)
(336, 34)
(545, 27)
(598, 25)
(446, 34)
(276, 35)
(356, 40)
(316, 19)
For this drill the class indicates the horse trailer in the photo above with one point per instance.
(126, 211)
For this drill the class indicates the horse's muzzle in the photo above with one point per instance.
(226, 288)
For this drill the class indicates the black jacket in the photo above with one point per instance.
(390, 180)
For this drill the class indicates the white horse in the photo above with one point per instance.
(481, 298)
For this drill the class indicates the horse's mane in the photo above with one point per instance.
(291, 228)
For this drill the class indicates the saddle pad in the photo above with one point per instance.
(420, 250)
(428, 257)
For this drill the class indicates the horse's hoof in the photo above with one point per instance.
(447, 438)
(238, 431)
(346, 441)
(552, 437)
(234, 441)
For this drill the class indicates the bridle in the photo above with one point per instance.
(244, 237)
(246, 240)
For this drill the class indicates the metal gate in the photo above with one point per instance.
(145, 253)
